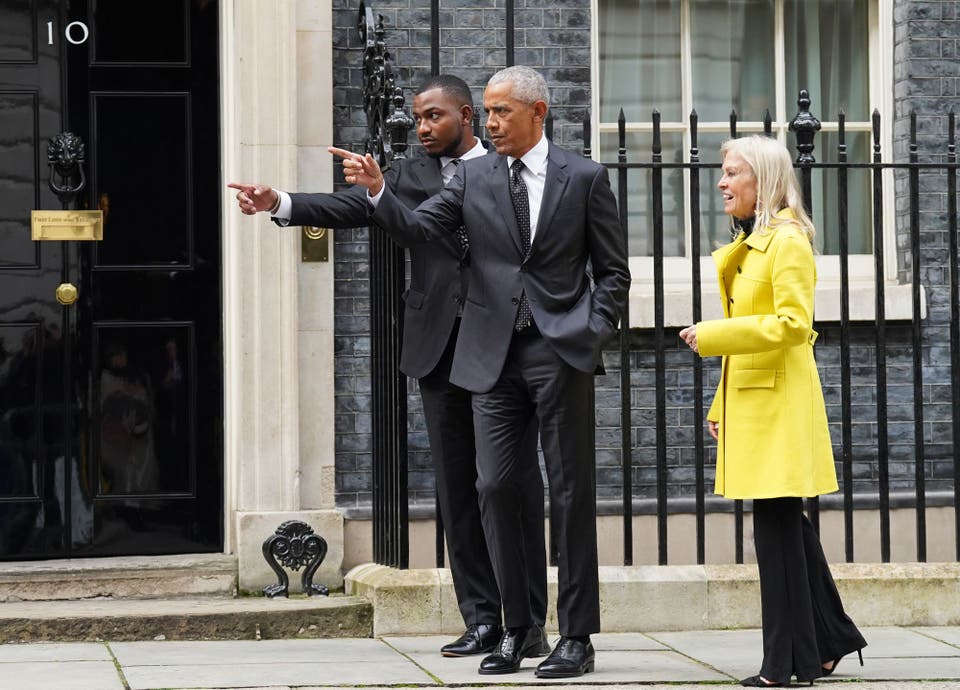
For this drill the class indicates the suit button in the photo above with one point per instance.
(514, 300)
(523, 269)
(731, 300)
(739, 270)
(456, 298)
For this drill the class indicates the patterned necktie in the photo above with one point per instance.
(461, 231)
(521, 208)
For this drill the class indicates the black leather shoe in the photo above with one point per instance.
(515, 645)
(477, 639)
(757, 681)
(569, 659)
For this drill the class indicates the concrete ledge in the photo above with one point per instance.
(126, 577)
(186, 619)
(661, 598)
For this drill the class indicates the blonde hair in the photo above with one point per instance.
(777, 185)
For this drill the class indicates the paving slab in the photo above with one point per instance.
(626, 658)
(53, 651)
(64, 675)
(268, 663)
(950, 635)
(735, 653)
(903, 642)
(298, 674)
(181, 653)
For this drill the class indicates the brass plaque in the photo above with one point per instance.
(314, 244)
(66, 225)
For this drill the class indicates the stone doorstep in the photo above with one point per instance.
(247, 618)
(121, 577)
(664, 598)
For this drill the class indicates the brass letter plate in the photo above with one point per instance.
(66, 225)
(314, 244)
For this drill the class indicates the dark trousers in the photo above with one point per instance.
(804, 624)
(537, 385)
(449, 418)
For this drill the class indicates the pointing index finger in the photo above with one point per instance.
(342, 153)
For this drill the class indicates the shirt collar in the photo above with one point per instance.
(536, 158)
(475, 152)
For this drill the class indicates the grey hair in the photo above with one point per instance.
(529, 86)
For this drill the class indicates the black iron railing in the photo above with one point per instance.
(388, 127)
(805, 126)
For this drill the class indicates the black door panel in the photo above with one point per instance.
(110, 409)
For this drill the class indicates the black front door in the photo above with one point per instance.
(110, 408)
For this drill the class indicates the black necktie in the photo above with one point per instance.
(461, 231)
(521, 208)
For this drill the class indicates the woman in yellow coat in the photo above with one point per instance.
(768, 415)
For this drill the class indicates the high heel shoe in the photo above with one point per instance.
(758, 681)
(829, 671)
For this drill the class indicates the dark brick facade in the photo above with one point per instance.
(554, 36)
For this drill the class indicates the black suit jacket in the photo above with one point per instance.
(578, 222)
(437, 280)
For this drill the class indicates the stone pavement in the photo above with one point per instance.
(903, 658)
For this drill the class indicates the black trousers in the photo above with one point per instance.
(449, 418)
(804, 624)
(537, 385)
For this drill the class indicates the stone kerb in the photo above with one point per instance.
(684, 597)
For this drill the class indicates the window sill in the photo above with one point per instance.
(677, 302)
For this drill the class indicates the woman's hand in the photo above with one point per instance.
(713, 427)
(689, 336)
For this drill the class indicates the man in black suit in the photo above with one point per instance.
(530, 338)
(443, 112)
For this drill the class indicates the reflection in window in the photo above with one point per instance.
(640, 220)
(144, 434)
(732, 58)
(640, 59)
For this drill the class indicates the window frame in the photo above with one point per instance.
(676, 270)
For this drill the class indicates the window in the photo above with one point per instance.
(751, 56)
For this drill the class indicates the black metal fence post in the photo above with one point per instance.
(695, 281)
(626, 419)
(918, 454)
(805, 126)
(387, 128)
(954, 321)
(880, 344)
(846, 404)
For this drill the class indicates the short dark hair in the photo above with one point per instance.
(454, 87)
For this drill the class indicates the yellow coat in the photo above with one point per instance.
(773, 435)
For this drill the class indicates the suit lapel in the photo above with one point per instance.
(428, 175)
(553, 188)
(501, 191)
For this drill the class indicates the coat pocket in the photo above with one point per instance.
(413, 299)
(753, 378)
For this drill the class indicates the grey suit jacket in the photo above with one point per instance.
(578, 222)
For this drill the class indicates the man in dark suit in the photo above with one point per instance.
(443, 112)
(530, 338)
